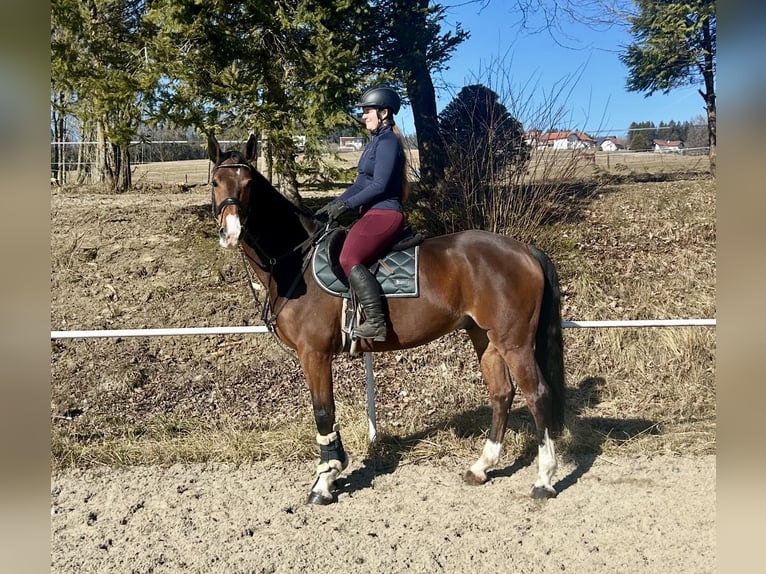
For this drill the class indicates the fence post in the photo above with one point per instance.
(370, 376)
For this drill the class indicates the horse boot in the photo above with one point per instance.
(368, 292)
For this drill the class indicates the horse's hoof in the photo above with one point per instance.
(318, 498)
(472, 479)
(542, 492)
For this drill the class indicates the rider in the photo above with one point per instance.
(376, 195)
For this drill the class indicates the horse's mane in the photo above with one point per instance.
(274, 215)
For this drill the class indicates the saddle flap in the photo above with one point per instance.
(397, 271)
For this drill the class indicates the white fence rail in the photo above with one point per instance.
(243, 330)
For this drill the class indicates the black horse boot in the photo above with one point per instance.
(367, 290)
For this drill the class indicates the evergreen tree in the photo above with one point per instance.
(100, 74)
(485, 151)
(480, 136)
(278, 69)
(675, 45)
(640, 135)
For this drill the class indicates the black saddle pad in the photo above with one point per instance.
(397, 271)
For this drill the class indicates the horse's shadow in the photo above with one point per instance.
(588, 434)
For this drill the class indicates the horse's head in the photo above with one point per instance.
(231, 181)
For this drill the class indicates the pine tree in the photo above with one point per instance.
(675, 45)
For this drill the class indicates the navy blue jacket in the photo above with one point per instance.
(378, 184)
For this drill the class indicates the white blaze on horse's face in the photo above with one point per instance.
(228, 185)
(229, 234)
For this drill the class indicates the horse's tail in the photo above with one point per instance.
(549, 340)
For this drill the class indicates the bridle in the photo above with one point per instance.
(217, 209)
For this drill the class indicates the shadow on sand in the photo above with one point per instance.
(588, 437)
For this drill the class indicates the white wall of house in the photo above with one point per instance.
(668, 148)
(351, 143)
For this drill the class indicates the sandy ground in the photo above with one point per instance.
(632, 515)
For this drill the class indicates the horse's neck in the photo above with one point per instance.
(277, 230)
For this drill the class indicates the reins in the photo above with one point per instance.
(268, 317)
(268, 264)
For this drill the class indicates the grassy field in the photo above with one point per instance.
(629, 251)
(195, 172)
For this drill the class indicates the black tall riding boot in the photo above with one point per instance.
(367, 290)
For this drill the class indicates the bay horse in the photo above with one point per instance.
(503, 293)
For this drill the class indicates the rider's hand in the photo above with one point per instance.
(332, 210)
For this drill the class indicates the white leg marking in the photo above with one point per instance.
(233, 228)
(546, 463)
(489, 458)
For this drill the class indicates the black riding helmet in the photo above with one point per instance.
(380, 97)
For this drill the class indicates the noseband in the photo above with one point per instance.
(217, 209)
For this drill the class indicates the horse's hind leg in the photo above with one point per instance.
(501, 393)
(526, 374)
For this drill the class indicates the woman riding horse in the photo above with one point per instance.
(377, 195)
(503, 293)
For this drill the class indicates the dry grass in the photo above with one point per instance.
(641, 250)
(543, 164)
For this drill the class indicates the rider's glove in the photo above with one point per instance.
(332, 210)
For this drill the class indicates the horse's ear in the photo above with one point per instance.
(213, 149)
(251, 148)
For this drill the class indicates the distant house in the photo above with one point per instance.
(351, 143)
(612, 143)
(668, 146)
(533, 138)
(569, 140)
(559, 140)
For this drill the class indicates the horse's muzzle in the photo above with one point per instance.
(229, 234)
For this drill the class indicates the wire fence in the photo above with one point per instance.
(75, 163)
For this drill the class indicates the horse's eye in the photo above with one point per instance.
(213, 184)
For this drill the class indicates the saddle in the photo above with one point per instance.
(396, 271)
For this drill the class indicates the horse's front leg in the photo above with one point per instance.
(317, 367)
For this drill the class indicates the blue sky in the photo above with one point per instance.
(580, 88)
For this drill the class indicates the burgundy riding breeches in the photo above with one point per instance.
(373, 233)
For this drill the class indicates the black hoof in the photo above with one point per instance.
(541, 493)
(317, 498)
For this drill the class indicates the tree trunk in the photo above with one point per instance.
(112, 164)
(102, 166)
(123, 179)
(709, 97)
(420, 90)
(289, 175)
(711, 125)
(58, 154)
